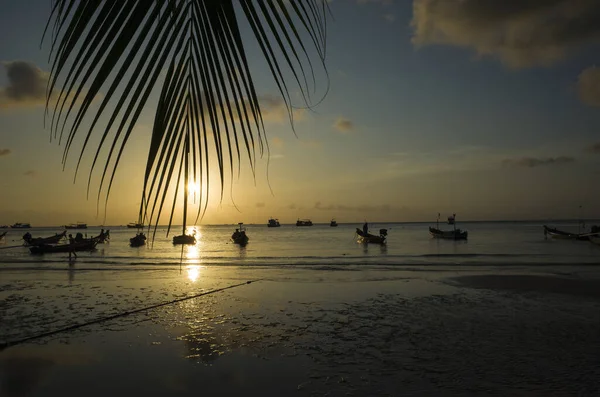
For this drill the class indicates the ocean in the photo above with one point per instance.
(408, 244)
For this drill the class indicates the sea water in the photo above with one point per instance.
(408, 244)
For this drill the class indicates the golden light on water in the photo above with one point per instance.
(192, 251)
(193, 272)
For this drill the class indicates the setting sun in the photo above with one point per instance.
(193, 189)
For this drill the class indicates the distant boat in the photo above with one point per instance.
(562, 235)
(134, 225)
(138, 240)
(371, 238)
(78, 225)
(21, 226)
(273, 223)
(186, 239)
(239, 236)
(333, 223)
(71, 247)
(454, 234)
(30, 240)
(304, 222)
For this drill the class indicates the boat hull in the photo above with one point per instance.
(75, 247)
(595, 239)
(137, 241)
(369, 238)
(184, 239)
(448, 234)
(562, 235)
(45, 240)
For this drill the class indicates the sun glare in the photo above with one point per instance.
(193, 189)
(193, 272)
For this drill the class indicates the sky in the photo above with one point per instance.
(486, 109)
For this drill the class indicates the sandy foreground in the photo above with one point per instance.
(303, 331)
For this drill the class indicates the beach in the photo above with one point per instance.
(305, 331)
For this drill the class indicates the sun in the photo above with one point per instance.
(193, 189)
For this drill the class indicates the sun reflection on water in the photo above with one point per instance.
(193, 272)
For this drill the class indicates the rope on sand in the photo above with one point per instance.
(4, 345)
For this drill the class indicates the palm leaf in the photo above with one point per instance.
(109, 57)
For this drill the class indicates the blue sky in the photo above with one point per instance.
(483, 108)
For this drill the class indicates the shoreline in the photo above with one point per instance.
(309, 332)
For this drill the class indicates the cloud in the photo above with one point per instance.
(30, 173)
(26, 85)
(359, 208)
(5, 152)
(277, 142)
(311, 144)
(381, 2)
(532, 162)
(521, 33)
(273, 109)
(594, 148)
(260, 205)
(343, 125)
(389, 17)
(588, 86)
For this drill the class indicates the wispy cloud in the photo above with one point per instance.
(311, 144)
(343, 125)
(381, 2)
(273, 109)
(593, 148)
(26, 85)
(389, 17)
(277, 142)
(519, 33)
(349, 208)
(5, 152)
(588, 86)
(532, 162)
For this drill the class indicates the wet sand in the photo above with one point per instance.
(310, 331)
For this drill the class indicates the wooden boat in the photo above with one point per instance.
(304, 222)
(562, 235)
(103, 237)
(135, 225)
(273, 223)
(29, 240)
(138, 240)
(21, 226)
(2, 235)
(71, 247)
(371, 238)
(78, 225)
(455, 234)
(186, 239)
(239, 236)
(333, 223)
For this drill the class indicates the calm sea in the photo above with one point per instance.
(490, 243)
